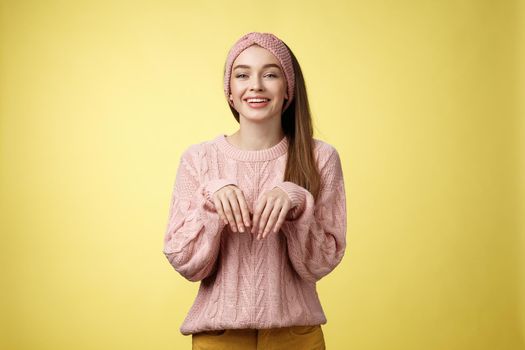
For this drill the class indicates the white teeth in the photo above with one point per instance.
(257, 100)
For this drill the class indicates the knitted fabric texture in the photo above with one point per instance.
(245, 282)
(272, 44)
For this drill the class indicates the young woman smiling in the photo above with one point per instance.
(258, 217)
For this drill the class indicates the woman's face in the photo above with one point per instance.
(256, 72)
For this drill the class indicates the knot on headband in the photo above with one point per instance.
(272, 44)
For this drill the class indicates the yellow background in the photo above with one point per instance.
(423, 99)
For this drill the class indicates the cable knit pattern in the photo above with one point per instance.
(246, 283)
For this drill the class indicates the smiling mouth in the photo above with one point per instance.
(257, 100)
(257, 103)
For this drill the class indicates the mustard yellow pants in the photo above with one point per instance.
(286, 338)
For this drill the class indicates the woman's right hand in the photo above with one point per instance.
(232, 208)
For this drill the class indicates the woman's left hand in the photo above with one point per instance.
(270, 212)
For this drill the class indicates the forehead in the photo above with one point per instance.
(255, 56)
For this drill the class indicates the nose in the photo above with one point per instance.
(256, 85)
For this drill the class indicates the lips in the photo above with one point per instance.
(258, 98)
(257, 102)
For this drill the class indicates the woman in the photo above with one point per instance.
(258, 217)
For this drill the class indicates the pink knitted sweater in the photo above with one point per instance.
(245, 282)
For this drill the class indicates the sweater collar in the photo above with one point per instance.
(251, 156)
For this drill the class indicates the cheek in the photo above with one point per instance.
(281, 88)
(236, 90)
(281, 91)
(235, 93)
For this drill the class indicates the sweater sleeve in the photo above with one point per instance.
(316, 232)
(192, 236)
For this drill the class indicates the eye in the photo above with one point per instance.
(271, 75)
(240, 75)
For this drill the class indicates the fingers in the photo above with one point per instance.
(232, 208)
(245, 212)
(264, 218)
(238, 224)
(276, 218)
(270, 213)
(257, 216)
(280, 220)
(282, 216)
(229, 213)
(272, 219)
(220, 210)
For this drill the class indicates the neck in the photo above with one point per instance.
(256, 139)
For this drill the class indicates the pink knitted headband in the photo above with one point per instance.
(272, 44)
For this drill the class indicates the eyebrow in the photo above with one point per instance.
(265, 66)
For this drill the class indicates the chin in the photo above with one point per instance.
(257, 116)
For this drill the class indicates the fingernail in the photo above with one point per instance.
(241, 229)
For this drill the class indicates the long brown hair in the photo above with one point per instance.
(296, 122)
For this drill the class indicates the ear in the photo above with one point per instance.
(231, 97)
